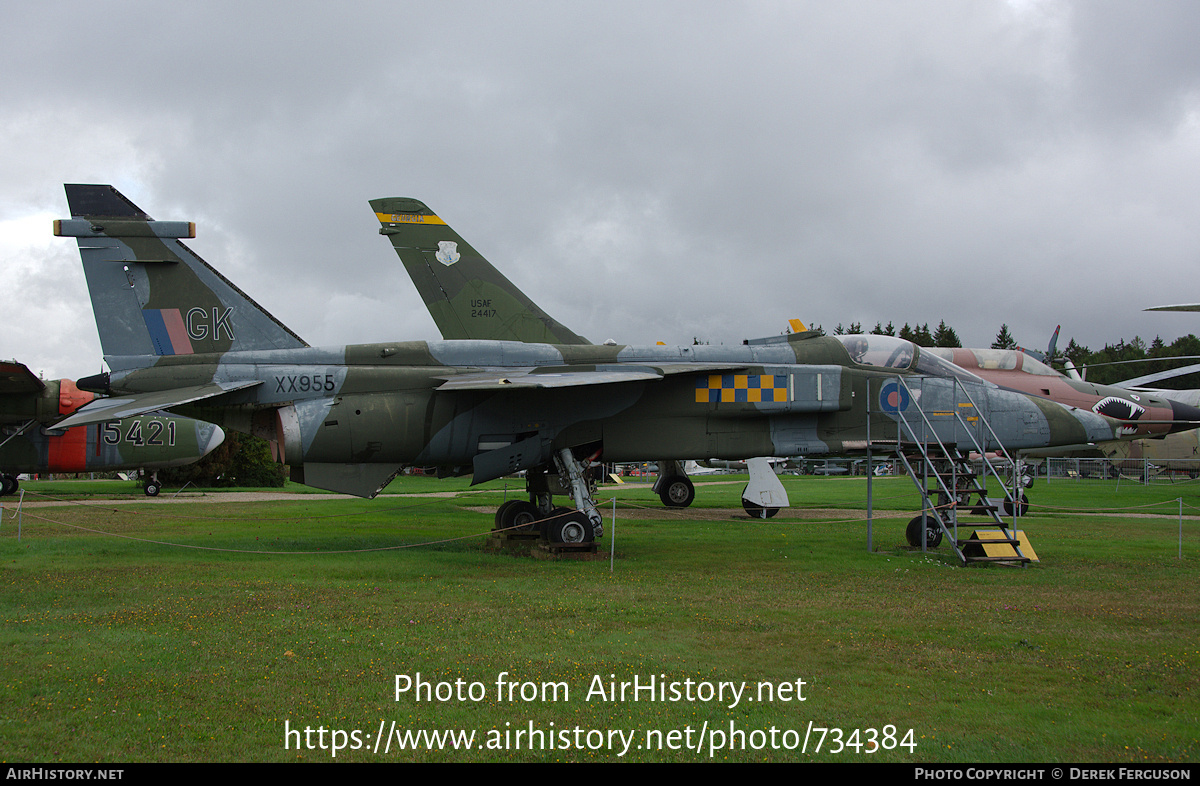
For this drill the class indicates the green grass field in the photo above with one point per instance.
(204, 631)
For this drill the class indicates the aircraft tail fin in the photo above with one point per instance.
(151, 294)
(1051, 352)
(467, 297)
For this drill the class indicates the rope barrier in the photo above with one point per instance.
(679, 513)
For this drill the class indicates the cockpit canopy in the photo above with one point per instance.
(868, 349)
(996, 359)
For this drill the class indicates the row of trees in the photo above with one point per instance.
(942, 336)
(1125, 360)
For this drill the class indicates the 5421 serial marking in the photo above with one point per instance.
(156, 432)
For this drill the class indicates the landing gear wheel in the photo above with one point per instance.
(152, 488)
(757, 511)
(516, 514)
(8, 485)
(502, 511)
(1022, 506)
(677, 492)
(557, 515)
(523, 517)
(933, 533)
(575, 527)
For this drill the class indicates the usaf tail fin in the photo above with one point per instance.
(151, 294)
(465, 295)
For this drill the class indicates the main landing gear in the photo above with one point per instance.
(151, 486)
(539, 516)
(8, 485)
(673, 486)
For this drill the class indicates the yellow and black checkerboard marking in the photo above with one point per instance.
(741, 388)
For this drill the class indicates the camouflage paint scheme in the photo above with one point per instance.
(1141, 414)
(29, 408)
(468, 298)
(1179, 451)
(177, 335)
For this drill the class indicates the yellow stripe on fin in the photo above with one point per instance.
(408, 218)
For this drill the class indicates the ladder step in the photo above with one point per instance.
(957, 482)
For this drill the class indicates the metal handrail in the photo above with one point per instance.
(1010, 494)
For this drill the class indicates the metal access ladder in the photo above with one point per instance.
(949, 481)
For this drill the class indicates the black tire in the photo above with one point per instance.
(152, 488)
(677, 492)
(756, 511)
(8, 485)
(517, 513)
(1022, 506)
(498, 522)
(933, 533)
(523, 517)
(575, 527)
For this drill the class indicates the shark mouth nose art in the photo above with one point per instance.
(1120, 409)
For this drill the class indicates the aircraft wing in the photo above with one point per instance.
(499, 380)
(1180, 307)
(103, 410)
(17, 378)
(1150, 379)
(556, 377)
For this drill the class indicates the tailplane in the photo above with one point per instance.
(151, 294)
(465, 295)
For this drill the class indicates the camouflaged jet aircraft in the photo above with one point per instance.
(30, 440)
(469, 298)
(177, 335)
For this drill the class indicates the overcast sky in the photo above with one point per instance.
(646, 171)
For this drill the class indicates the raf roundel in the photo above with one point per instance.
(893, 397)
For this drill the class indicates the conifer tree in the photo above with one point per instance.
(945, 336)
(1004, 339)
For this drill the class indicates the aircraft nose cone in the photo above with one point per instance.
(1186, 417)
(210, 438)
